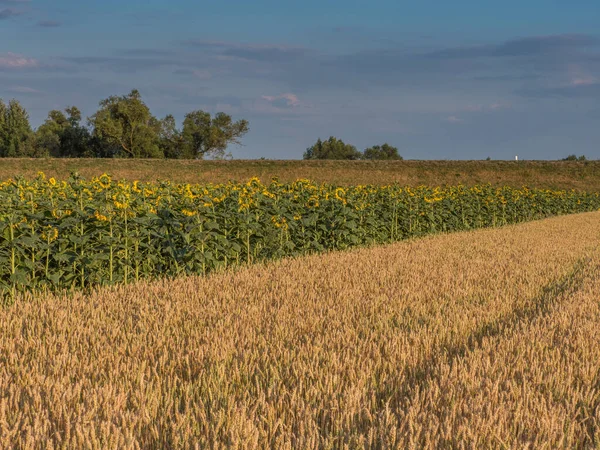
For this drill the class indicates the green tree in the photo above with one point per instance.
(3, 127)
(63, 135)
(75, 140)
(575, 158)
(332, 148)
(16, 135)
(385, 151)
(125, 127)
(49, 133)
(203, 135)
(170, 138)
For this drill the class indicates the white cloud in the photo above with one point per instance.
(453, 119)
(23, 90)
(580, 76)
(14, 61)
(497, 106)
(288, 98)
(483, 108)
(202, 74)
(583, 81)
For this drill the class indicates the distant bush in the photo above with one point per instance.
(575, 158)
(385, 152)
(332, 148)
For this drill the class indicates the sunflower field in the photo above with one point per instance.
(78, 234)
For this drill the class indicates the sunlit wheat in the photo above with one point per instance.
(482, 339)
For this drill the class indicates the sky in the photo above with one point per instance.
(464, 79)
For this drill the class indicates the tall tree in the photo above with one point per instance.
(63, 135)
(332, 148)
(127, 127)
(48, 134)
(170, 138)
(205, 136)
(17, 135)
(3, 127)
(75, 140)
(385, 151)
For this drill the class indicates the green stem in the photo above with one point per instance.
(137, 260)
(248, 240)
(47, 256)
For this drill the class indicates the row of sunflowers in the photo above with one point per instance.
(78, 234)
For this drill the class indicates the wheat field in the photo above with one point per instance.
(484, 339)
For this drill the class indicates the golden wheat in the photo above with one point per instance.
(469, 340)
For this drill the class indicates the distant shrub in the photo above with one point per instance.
(332, 148)
(385, 152)
(575, 158)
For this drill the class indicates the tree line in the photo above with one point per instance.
(334, 148)
(122, 127)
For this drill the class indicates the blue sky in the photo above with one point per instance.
(437, 79)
